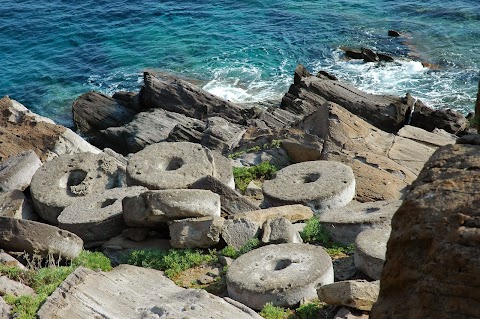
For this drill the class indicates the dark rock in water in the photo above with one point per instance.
(369, 55)
(434, 248)
(477, 109)
(95, 111)
(354, 54)
(182, 97)
(325, 75)
(384, 57)
(128, 99)
(300, 72)
(394, 33)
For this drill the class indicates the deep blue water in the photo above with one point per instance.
(52, 51)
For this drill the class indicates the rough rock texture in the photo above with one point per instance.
(280, 231)
(346, 313)
(345, 223)
(433, 251)
(293, 213)
(15, 288)
(152, 208)
(182, 97)
(43, 239)
(195, 232)
(359, 294)
(22, 130)
(435, 138)
(126, 292)
(232, 202)
(97, 216)
(4, 309)
(320, 185)
(237, 232)
(370, 250)
(17, 171)
(14, 204)
(9, 261)
(282, 274)
(61, 181)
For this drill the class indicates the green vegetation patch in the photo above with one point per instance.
(312, 310)
(231, 252)
(244, 175)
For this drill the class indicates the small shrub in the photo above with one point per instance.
(314, 232)
(270, 311)
(92, 260)
(336, 249)
(25, 307)
(172, 262)
(244, 175)
(308, 311)
(231, 252)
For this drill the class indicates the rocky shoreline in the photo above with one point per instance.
(156, 172)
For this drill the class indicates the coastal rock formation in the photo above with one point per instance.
(21, 130)
(431, 263)
(126, 292)
(17, 171)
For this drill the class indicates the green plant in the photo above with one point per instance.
(308, 311)
(270, 311)
(244, 175)
(172, 262)
(25, 307)
(337, 249)
(231, 252)
(92, 260)
(314, 232)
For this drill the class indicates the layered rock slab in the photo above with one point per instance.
(431, 262)
(126, 292)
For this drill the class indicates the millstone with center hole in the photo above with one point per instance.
(320, 185)
(284, 275)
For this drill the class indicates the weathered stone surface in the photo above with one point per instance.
(121, 242)
(346, 313)
(370, 250)
(431, 262)
(282, 274)
(182, 97)
(43, 239)
(232, 202)
(435, 138)
(320, 185)
(345, 223)
(195, 232)
(221, 135)
(23, 130)
(17, 171)
(275, 156)
(410, 154)
(4, 309)
(293, 213)
(253, 190)
(222, 169)
(146, 128)
(63, 180)
(136, 234)
(94, 111)
(15, 288)
(151, 208)
(126, 292)
(97, 216)
(280, 231)
(14, 204)
(169, 165)
(237, 232)
(128, 99)
(359, 294)
(9, 261)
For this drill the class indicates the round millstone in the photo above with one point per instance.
(319, 185)
(283, 275)
(169, 165)
(370, 250)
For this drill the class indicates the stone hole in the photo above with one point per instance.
(174, 164)
(282, 264)
(107, 202)
(372, 210)
(76, 177)
(310, 178)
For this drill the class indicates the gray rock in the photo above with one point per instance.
(15, 288)
(254, 191)
(97, 216)
(169, 165)
(345, 223)
(153, 208)
(225, 261)
(359, 294)
(121, 242)
(436, 138)
(9, 261)
(14, 204)
(284, 275)
(319, 185)
(275, 156)
(221, 135)
(232, 202)
(195, 232)
(370, 251)
(280, 231)
(237, 232)
(136, 234)
(5, 309)
(63, 180)
(293, 213)
(345, 313)
(17, 171)
(126, 292)
(43, 239)
(223, 169)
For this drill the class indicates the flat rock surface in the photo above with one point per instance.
(370, 250)
(282, 274)
(435, 138)
(433, 252)
(294, 213)
(43, 239)
(126, 292)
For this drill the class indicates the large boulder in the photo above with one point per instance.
(15, 204)
(433, 251)
(134, 292)
(42, 239)
(17, 171)
(358, 294)
(23, 130)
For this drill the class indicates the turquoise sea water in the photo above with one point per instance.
(52, 51)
